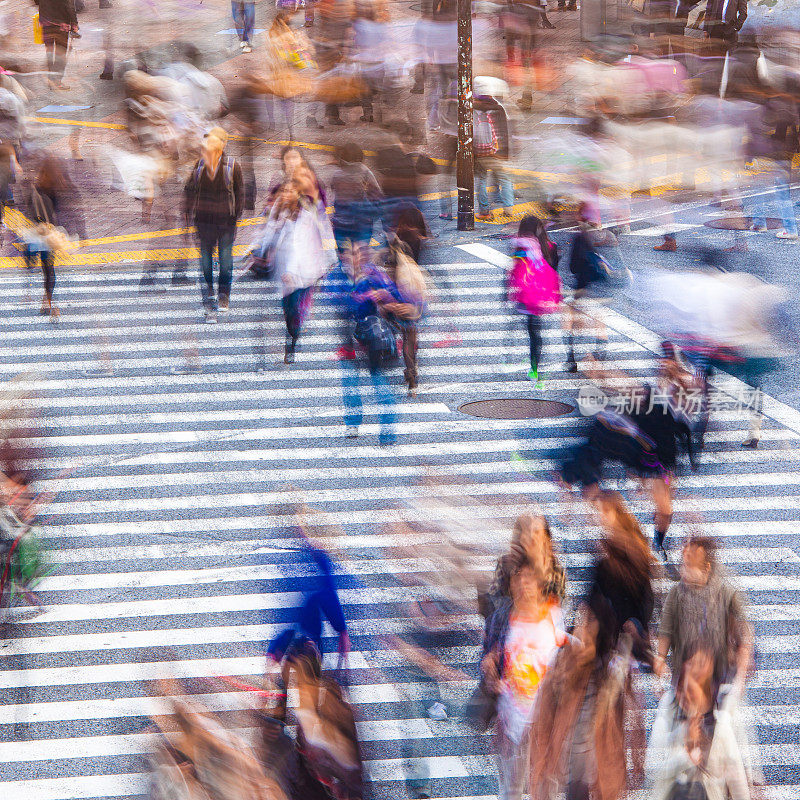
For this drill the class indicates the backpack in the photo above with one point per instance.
(376, 335)
(227, 175)
(484, 135)
(533, 283)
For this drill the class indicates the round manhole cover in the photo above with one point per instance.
(515, 408)
(740, 223)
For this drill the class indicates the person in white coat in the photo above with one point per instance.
(300, 241)
(693, 753)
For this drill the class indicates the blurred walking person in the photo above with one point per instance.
(59, 21)
(621, 578)
(244, 18)
(591, 285)
(214, 200)
(531, 542)
(299, 241)
(320, 603)
(412, 287)
(368, 333)
(704, 613)
(290, 56)
(521, 641)
(703, 610)
(533, 284)
(693, 750)
(588, 717)
(356, 193)
(491, 145)
(54, 205)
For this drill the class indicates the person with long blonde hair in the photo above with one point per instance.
(531, 542)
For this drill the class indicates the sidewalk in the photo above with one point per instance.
(92, 110)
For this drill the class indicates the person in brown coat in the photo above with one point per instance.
(59, 21)
(579, 736)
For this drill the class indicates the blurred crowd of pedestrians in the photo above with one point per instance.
(685, 100)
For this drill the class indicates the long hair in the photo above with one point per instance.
(626, 549)
(531, 227)
(553, 579)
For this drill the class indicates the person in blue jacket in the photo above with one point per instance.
(320, 603)
(366, 332)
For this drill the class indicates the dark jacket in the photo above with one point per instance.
(579, 263)
(496, 630)
(620, 590)
(723, 19)
(208, 199)
(58, 12)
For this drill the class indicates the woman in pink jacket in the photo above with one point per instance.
(533, 284)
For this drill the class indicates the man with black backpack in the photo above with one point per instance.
(214, 202)
(367, 332)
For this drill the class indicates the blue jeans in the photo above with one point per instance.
(483, 166)
(351, 391)
(244, 18)
(351, 236)
(221, 238)
(778, 180)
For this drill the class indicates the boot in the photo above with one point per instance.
(525, 103)
(669, 245)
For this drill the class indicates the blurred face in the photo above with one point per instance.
(212, 151)
(536, 544)
(606, 514)
(695, 568)
(695, 682)
(290, 195)
(526, 588)
(700, 666)
(291, 161)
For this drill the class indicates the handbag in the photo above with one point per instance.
(38, 33)
(693, 789)
(484, 141)
(481, 709)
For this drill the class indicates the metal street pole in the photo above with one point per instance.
(465, 179)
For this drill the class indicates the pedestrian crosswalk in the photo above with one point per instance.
(177, 451)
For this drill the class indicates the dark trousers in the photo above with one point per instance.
(56, 43)
(534, 324)
(48, 269)
(409, 333)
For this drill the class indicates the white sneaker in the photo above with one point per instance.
(242, 45)
(784, 234)
(351, 432)
(438, 712)
(246, 48)
(211, 317)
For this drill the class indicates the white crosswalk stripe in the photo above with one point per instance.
(174, 556)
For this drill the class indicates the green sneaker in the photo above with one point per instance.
(533, 375)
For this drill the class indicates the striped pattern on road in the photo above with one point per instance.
(174, 555)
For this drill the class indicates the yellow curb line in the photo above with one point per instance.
(82, 123)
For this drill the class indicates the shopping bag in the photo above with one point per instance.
(38, 34)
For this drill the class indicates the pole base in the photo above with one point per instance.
(466, 221)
